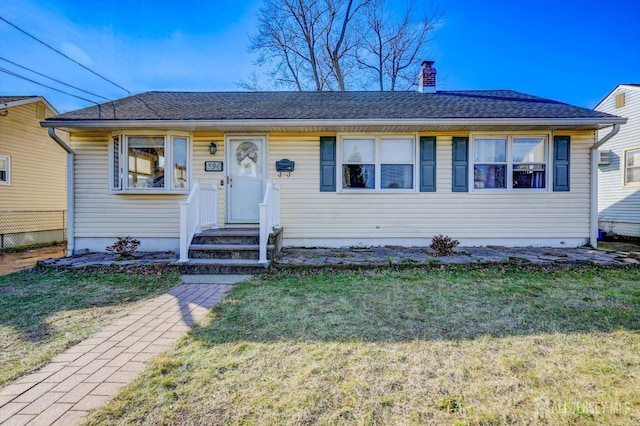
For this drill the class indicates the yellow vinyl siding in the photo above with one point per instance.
(201, 141)
(308, 213)
(38, 164)
(101, 214)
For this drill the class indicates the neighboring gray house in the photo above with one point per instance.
(619, 165)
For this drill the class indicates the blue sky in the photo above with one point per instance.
(570, 51)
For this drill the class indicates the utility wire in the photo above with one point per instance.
(44, 85)
(51, 78)
(57, 51)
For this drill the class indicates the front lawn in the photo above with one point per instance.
(44, 313)
(433, 346)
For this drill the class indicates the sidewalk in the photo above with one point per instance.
(87, 375)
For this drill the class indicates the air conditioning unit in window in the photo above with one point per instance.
(604, 158)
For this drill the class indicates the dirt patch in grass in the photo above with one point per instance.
(439, 346)
(24, 259)
(44, 313)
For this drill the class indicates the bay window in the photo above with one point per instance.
(378, 163)
(149, 163)
(510, 162)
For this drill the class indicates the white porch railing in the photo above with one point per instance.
(269, 216)
(198, 212)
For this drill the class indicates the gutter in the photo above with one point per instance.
(329, 123)
(593, 234)
(70, 190)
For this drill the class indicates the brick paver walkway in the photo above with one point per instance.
(87, 375)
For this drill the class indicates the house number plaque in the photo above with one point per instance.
(213, 166)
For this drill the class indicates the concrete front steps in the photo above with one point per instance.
(230, 251)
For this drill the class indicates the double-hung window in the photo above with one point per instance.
(378, 163)
(510, 162)
(5, 170)
(150, 163)
(632, 167)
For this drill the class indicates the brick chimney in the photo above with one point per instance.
(427, 78)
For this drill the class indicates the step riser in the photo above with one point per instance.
(227, 254)
(226, 239)
(222, 269)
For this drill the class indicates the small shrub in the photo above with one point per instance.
(443, 245)
(125, 247)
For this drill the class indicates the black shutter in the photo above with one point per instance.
(561, 151)
(427, 164)
(460, 164)
(327, 164)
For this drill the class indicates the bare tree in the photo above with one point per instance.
(339, 46)
(307, 43)
(321, 44)
(391, 49)
(289, 34)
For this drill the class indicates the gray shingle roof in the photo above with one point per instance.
(473, 104)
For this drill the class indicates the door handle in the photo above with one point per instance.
(229, 180)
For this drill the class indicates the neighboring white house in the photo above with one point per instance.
(492, 167)
(33, 190)
(619, 165)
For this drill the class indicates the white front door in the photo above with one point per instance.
(246, 157)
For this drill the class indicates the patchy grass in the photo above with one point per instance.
(620, 245)
(440, 346)
(42, 314)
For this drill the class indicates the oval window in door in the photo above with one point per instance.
(247, 158)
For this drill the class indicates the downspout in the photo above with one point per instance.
(70, 191)
(593, 235)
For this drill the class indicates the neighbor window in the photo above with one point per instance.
(149, 163)
(632, 167)
(510, 162)
(5, 170)
(378, 163)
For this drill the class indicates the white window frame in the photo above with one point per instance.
(378, 161)
(509, 161)
(7, 180)
(624, 168)
(118, 179)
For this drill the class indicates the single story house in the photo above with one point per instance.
(333, 169)
(33, 181)
(619, 165)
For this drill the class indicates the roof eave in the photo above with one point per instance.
(584, 123)
(29, 100)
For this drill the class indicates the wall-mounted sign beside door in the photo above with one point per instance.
(213, 166)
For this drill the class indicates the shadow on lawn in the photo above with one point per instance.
(40, 305)
(406, 309)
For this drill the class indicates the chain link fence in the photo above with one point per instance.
(23, 228)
